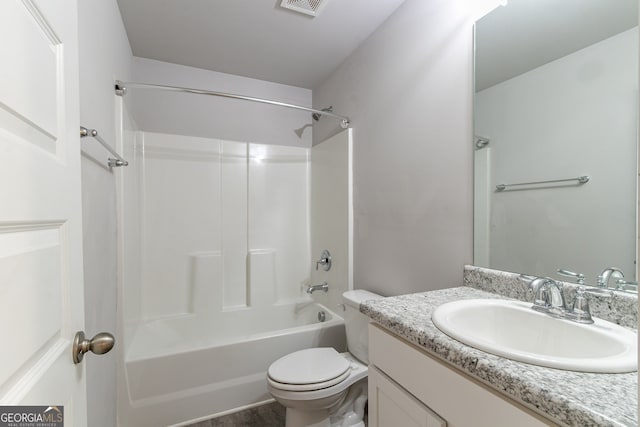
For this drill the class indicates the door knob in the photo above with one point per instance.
(100, 344)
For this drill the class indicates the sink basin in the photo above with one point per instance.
(513, 330)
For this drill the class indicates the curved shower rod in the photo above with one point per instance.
(121, 89)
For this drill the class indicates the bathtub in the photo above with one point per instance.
(190, 368)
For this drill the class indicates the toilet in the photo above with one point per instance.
(321, 387)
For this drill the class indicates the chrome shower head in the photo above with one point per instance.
(300, 131)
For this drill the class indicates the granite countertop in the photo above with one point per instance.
(565, 397)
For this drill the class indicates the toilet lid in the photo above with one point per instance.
(309, 366)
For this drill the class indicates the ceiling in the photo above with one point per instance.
(253, 38)
(526, 34)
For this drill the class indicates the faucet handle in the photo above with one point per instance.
(580, 309)
(579, 276)
(622, 285)
(325, 261)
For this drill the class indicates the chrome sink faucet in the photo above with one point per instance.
(549, 299)
(603, 278)
(548, 296)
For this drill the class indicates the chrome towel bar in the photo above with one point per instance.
(118, 161)
(581, 180)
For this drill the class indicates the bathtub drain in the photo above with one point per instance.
(322, 316)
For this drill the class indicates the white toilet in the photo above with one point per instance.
(321, 387)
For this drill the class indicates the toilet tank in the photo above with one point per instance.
(356, 323)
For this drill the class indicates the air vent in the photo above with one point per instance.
(308, 7)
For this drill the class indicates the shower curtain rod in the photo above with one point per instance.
(121, 89)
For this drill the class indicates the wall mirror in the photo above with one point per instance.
(556, 114)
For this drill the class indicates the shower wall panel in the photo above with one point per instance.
(181, 221)
(129, 225)
(278, 220)
(234, 220)
(224, 225)
(332, 214)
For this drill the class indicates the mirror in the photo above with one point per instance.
(556, 109)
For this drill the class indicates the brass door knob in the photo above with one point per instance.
(100, 344)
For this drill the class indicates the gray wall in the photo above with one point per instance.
(408, 91)
(214, 117)
(104, 55)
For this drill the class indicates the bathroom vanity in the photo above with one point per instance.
(408, 385)
(420, 376)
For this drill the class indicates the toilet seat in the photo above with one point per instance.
(356, 371)
(309, 369)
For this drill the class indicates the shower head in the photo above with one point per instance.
(316, 116)
(300, 131)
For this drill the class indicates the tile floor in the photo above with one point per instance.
(269, 415)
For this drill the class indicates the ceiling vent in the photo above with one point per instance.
(308, 7)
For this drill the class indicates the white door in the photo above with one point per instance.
(41, 289)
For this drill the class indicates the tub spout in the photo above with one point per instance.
(324, 287)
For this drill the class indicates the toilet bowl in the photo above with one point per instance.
(319, 386)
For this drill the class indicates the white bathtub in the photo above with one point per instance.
(187, 368)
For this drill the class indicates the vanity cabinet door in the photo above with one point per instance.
(390, 405)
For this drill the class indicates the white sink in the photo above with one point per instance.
(513, 330)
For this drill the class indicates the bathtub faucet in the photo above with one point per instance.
(324, 287)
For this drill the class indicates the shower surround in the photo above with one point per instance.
(215, 249)
(225, 225)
